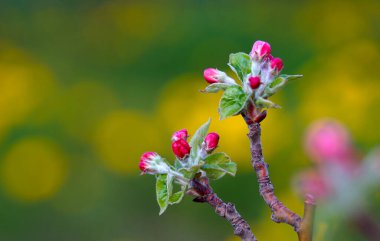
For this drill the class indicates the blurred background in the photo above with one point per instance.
(87, 86)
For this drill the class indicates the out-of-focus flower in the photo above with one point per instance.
(313, 182)
(181, 148)
(260, 50)
(328, 141)
(211, 141)
(181, 134)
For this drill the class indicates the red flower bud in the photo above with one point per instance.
(181, 148)
(260, 50)
(254, 82)
(276, 64)
(181, 134)
(211, 141)
(147, 162)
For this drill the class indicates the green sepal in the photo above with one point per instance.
(240, 63)
(217, 165)
(232, 102)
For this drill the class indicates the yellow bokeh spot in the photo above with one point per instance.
(24, 84)
(33, 170)
(122, 137)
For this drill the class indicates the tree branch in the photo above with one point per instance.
(280, 213)
(201, 189)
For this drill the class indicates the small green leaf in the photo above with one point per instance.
(197, 139)
(232, 102)
(217, 165)
(162, 192)
(214, 88)
(177, 197)
(240, 63)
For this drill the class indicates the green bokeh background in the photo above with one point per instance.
(87, 86)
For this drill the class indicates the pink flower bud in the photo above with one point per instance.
(254, 82)
(181, 134)
(181, 148)
(216, 76)
(148, 162)
(327, 141)
(260, 50)
(211, 141)
(276, 64)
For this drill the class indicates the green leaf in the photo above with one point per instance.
(232, 102)
(240, 63)
(217, 165)
(177, 197)
(162, 192)
(197, 139)
(214, 88)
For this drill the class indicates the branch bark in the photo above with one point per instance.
(280, 213)
(202, 191)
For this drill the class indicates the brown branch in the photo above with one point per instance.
(201, 189)
(280, 213)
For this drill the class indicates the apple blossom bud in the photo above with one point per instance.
(216, 76)
(181, 134)
(152, 163)
(327, 141)
(276, 65)
(254, 82)
(211, 141)
(260, 50)
(181, 148)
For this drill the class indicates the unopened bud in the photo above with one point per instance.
(181, 148)
(254, 82)
(276, 65)
(216, 76)
(152, 163)
(260, 50)
(211, 141)
(181, 134)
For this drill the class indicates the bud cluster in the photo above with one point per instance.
(152, 163)
(259, 73)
